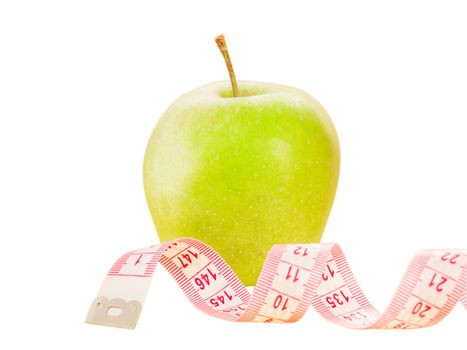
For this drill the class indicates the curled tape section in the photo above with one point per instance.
(294, 277)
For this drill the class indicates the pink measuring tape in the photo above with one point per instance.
(294, 277)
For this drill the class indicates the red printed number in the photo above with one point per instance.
(205, 279)
(290, 274)
(420, 309)
(327, 276)
(436, 283)
(220, 299)
(299, 251)
(452, 258)
(337, 299)
(185, 259)
(280, 302)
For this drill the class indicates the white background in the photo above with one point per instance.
(83, 83)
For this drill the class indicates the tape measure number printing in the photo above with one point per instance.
(294, 277)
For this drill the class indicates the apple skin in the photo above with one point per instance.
(244, 173)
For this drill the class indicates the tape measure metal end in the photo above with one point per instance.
(114, 312)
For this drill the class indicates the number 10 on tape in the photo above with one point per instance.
(294, 277)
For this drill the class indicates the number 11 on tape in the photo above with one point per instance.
(294, 277)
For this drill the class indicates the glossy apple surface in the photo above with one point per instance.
(243, 173)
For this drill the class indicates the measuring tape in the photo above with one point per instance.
(294, 277)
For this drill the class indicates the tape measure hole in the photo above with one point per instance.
(99, 304)
(114, 311)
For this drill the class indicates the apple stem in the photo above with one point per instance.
(220, 41)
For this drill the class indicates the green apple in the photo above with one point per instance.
(242, 169)
(242, 173)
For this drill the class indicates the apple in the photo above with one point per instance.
(242, 173)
